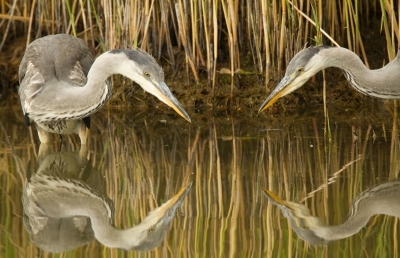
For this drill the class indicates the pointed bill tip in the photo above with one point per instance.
(265, 105)
(165, 95)
(177, 199)
(179, 109)
(271, 196)
(270, 100)
(284, 87)
(183, 192)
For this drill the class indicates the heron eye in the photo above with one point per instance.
(147, 74)
(300, 70)
(151, 230)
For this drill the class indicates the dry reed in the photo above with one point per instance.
(210, 33)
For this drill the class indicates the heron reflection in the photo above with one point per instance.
(65, 207)
(379, 199)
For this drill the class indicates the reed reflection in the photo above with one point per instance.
(382, 198)
(65, 207)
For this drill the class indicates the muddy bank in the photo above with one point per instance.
(248, 92)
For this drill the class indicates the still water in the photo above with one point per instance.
(259, 186)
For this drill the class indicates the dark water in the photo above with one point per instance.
(316, 172)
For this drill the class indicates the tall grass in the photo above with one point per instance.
(212, 34)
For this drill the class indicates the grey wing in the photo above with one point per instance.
(51, 62)
(77, 75)
(32, 83)
(32, 211)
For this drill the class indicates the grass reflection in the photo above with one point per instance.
(144, 162)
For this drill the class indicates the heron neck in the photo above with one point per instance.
(103, 67)
(97, 91)
(102, 223)
(69, 198)
(381, 83)
(344, 230)
(377, 200)
(113, 237)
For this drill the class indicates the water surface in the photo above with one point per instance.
(138, 162)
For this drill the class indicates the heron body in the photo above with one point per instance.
(47, 196)
(61, 85)
(379, 199)
(65, 207)
(380, 83)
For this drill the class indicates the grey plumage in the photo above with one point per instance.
(380, 83)
(52, 57)
(65, 207)
(303, 57)
(60, 84)
(379, 199)
(142, 58)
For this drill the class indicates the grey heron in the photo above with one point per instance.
(63, 211)
(61, 85)
(380, 83)
(379, 199)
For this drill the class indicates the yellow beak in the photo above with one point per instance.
(163, 93)
(284, 87)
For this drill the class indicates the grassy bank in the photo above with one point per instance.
(211, 43)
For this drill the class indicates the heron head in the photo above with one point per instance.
(142, 68)
(301, 68)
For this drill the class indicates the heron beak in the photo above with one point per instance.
(272, 197)
(165, 95)
(155, 225)
(284, 87)
(168, 208)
